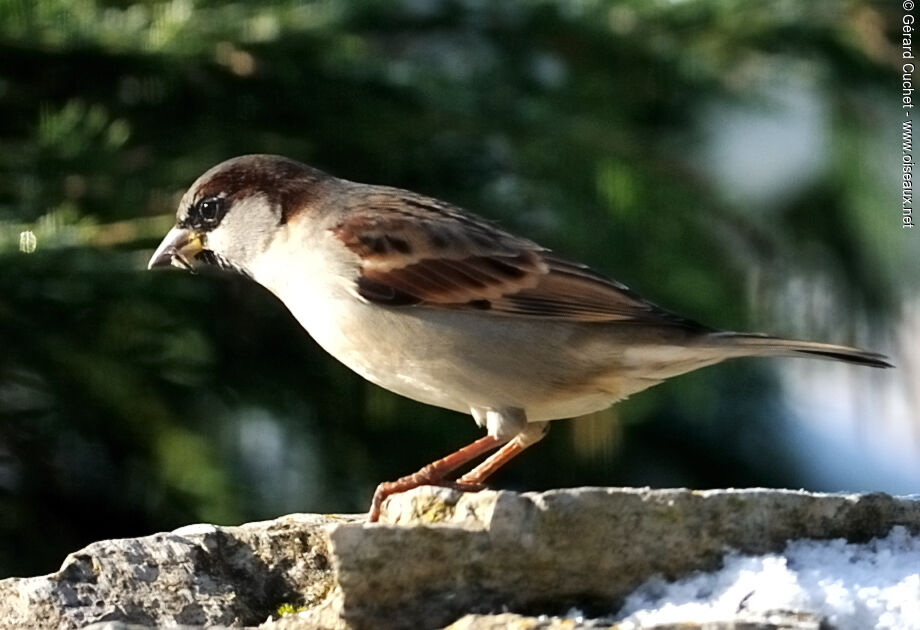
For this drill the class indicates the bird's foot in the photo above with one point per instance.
(403, 484)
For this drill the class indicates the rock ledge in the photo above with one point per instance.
(440, 557)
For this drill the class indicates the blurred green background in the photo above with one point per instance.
(736, 162)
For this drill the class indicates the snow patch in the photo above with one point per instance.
(852, 586)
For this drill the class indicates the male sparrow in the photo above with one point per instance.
(442, 306)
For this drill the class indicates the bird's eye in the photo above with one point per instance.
(207, 212)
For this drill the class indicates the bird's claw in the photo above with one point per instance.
(389, 488)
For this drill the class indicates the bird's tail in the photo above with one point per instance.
(752, 344)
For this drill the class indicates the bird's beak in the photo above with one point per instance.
(178, 249)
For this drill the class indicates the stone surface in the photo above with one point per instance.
(196, 576)
(439, 558)
(509, 621)
(585, 547)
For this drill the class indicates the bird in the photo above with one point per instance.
(439, 305)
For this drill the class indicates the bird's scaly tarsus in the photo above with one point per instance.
(435, 472)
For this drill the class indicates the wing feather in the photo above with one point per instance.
(417, 251)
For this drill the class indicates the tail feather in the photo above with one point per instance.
(756, 344)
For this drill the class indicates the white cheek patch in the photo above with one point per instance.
(246, 230)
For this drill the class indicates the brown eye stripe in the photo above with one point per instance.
(288, 183)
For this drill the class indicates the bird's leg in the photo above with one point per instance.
(532, 433)
(434, 473)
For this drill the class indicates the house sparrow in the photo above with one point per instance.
(439, 305)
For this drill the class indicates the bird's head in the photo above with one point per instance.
(230, 215)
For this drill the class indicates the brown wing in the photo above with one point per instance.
(420, 251)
